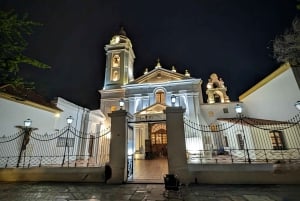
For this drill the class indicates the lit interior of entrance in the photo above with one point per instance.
(150, 161)
(158, 136)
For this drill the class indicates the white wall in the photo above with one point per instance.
(275, 100)
(211, 112)
(14, 114)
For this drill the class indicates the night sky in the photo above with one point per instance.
(230, 38)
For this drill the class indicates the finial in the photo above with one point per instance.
(122, 31)
(187, 74)
(173, 69)
(146, 71)
(158, 64)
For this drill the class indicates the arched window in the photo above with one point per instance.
(116, 61)
(160, 96)
(158, 134)
(115, 68)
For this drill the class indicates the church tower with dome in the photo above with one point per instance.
(119, 61)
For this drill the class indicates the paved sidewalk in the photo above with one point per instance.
(144, 192)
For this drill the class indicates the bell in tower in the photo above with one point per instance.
(119, 61)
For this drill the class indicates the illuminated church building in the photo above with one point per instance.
(147, 96)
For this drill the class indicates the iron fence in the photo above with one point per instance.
(67, 147)
(243, 140)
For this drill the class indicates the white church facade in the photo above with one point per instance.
(147, 96)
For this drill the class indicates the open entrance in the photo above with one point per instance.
(149, 151)
(156, 145)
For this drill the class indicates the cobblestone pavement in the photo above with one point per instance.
(145, 192)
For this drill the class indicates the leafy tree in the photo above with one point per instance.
(286, 47)
(13, 33)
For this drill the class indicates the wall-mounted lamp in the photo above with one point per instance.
(173, 100)
(297, 105)
(27, 123)
(69, 120)
(122, 103)
(238, 109)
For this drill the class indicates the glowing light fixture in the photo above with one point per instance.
(121, 104)
(173, 100)
(297, 105)
(27, 123)
(238, 109)
(69, 119)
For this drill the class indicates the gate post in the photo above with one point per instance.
(118, 147)
(177, 160)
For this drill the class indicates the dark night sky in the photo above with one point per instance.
(229, 38)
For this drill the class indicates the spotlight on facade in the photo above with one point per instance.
(121, 104)
(69, 120)
(173, 100)
(297, 105)
(27, 123)
(238, 109)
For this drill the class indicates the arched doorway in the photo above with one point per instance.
(158, 140)
(149, 145)
(149, 164)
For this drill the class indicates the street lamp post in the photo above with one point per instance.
(239, 110)
(69, 122)
(27, 129)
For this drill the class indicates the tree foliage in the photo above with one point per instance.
(13, 33)
(286, 47)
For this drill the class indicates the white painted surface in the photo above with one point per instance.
(275, 100)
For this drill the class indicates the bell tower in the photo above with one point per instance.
(119, 61)
(216, 90)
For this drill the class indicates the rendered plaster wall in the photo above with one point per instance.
(52, 174)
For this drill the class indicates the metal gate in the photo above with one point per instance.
(131, 144)
(130, 148)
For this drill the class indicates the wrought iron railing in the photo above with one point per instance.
(243, 140)
(65, 148)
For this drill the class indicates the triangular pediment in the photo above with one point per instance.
(152, 109)
(159, 75)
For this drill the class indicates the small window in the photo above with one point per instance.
(240, 141)
(160, 96)
(226, 141)
(225, 110)
(61, 142)
(115, 75)
(277, 140)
